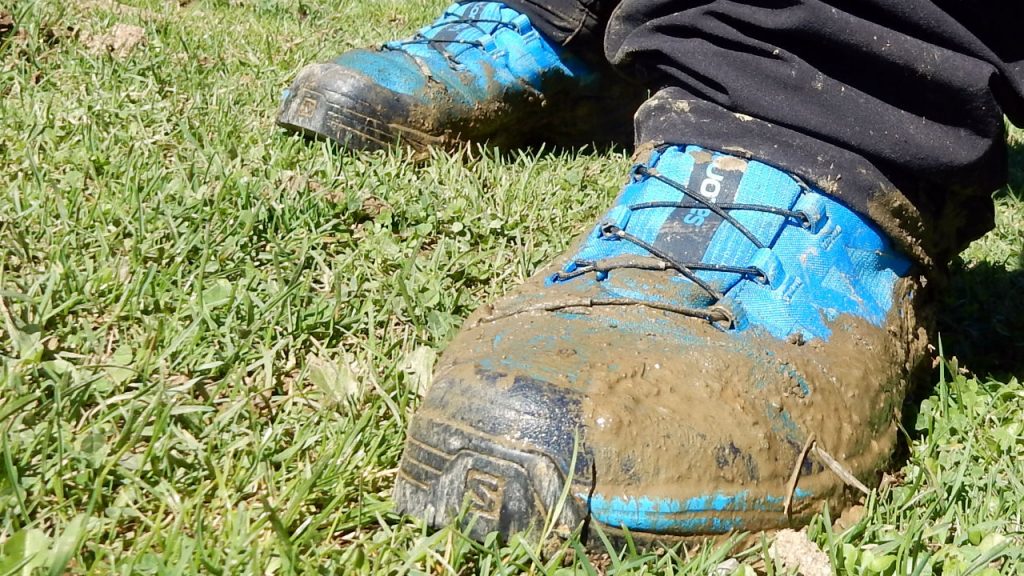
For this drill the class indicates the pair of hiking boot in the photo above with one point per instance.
(727, 349)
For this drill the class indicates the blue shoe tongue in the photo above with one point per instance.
(448, 32)
(481, 11)
(687, 232)
(469, 22)
(477, 51)
(694, 234)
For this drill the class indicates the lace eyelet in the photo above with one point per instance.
(610, 232)
(761, 277)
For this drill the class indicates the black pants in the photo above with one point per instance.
(894, 106)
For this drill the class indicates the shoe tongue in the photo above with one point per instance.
(691, 235)
(687, 232)
(467, 22)
(699, 235)
(694, 235)
(479, 11)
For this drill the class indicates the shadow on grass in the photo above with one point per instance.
(1015, 173)
(981, 317)
(981, 323)
(981, 320)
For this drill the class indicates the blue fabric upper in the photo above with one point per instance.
(817, 260)
(475, 50)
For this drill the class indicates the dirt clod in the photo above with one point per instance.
(794, 551)
(374, 206)
(850, 517)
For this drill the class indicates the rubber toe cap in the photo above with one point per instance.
(331, 101)
(497, 448)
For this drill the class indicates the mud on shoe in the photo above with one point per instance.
(671, 368)
(481, 72)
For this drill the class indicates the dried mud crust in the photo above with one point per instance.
(673, 407)
(327, 100)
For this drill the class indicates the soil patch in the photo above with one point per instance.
(120, 41)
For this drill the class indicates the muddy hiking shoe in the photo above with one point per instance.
(481, 72)
(672, 368)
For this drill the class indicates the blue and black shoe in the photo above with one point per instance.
(481, 72)
(670, 374)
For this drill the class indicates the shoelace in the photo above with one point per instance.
(661, 260)
(441, 45)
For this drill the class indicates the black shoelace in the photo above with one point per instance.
(441, 44)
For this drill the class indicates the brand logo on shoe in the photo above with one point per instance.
(307, 106)
(710, 187)
(687, 232)
(475, 11)
(485, 492)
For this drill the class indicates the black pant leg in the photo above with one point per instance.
(878, 102)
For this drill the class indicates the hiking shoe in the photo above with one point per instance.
(669, 373)
(481, 72)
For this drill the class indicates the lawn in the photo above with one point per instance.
(213, 334)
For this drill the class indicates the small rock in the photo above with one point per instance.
(419, 367)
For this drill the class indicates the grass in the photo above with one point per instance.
(213, 333)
